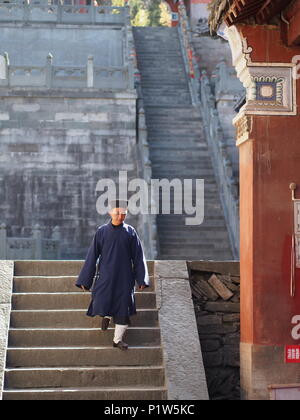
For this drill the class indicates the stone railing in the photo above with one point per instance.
(29, 12)
(149, 224)
(221, 162)
(36, 247)
(51, 77)
(187, 48)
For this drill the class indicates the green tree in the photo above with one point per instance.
(165, 15)
(141, 18)
(144, 12)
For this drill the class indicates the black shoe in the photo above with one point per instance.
(121, 345)
(105, 323)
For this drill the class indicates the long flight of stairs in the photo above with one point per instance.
(178, 148)
(56, 352)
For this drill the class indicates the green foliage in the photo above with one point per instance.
(144, 12)
(148, 12)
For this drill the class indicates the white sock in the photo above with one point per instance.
(119, 332)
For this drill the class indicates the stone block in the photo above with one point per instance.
(210, 345)
(171, 269)
(231, 356)
(209, 320)
(231, 318)
(184, 369)
(213, 358)
(220, 288)
(6, 275)
(6, 279)
(4, 116)
(202, 288)
(232, 339)
(229, 284)
(222, 267)
(218, 329)
(222, 307)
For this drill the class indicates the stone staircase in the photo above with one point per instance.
(56, 352)
(178, 148)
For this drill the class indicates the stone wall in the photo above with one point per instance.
(216, 295)
(58, 140)
(55, 146)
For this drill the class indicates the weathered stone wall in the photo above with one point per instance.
(29, 45)
(216, 296)
(55, 146)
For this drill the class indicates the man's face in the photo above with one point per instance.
(118, 215)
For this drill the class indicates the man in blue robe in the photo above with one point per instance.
(121, 264)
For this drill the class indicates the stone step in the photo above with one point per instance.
(83, 356)
(172, 72)
(164, 97)
(157, 51)
(210, 219)
(174, 163)
(100, 393)
(178, 131)
(197, 254)
(55, 284)
(161, 86)
(160, 125)
(171, 120)
(74, 377)
(190, 111)
(171, 236)
(155, 122)
(206, 226)
(162, 172)
(164, 149)
(145, 45)
(69, 337)
(160, 157)
(54, 268)
(179, 141)
(211, 255)
(181, 99)
(204, 244)
(170, 99)
(73, 319)
(153, 75)
(47, 268)
(171, 107)
(70, 300)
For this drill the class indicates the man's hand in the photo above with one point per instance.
(142, 287)
(84, 289)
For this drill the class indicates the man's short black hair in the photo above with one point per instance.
(118, 204)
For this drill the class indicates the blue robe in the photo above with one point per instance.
(121, 264)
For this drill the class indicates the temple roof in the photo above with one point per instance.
(237, 11)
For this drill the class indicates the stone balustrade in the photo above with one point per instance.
(60, 13)
(49, 76)
(35, 247)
